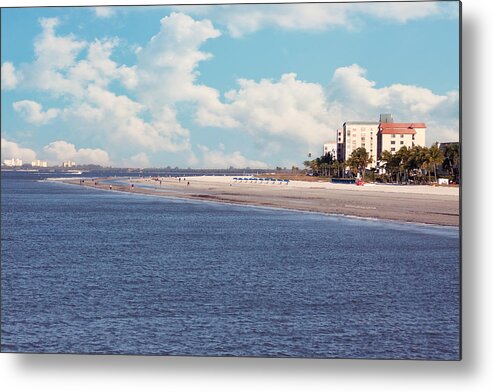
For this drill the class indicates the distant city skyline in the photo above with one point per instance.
(219, 86)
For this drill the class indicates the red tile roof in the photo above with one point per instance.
(400, 128)
(399, 131)
(402, 125)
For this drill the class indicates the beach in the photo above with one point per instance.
(406, 203)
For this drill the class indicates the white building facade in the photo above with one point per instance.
(356, 134)
(393, 136)
(330, 149)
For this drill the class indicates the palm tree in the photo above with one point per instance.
(419, 159)
(391, 163)
(435, 157)
(415, 160)
(315, 165)
(359, 160)
(335, 165)
(325, 167)
(451, 161)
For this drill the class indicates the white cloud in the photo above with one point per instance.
(99, 68)
(403, 12)
(120, 118)
(352, 96)
(140, 160)
(63, 67)
(104, 12)
(350, 85)
(13, 150)
(247, 18)
(33, 112)
(61, 150)
(276, 112)
(218, 159)
(288, 109)
(10, 76)
(58, 70)
(172, 57)
(53, 56)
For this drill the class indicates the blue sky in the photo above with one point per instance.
(220, 86)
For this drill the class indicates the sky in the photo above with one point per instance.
(258, 85)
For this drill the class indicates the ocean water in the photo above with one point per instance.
(89, 271)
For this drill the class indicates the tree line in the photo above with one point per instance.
(408, 165)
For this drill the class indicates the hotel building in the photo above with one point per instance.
(393, 136)
(377, 137)
(356, 134)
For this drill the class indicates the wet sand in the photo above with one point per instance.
(419, 204)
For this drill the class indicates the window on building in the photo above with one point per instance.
(402, 135)
(393, 135)
(392, 142)
(413, 137)
(348, 133)
(402, 141)
(392, 149)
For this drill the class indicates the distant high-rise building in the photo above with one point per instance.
(38, 163)
(13, 162)
(68, 164)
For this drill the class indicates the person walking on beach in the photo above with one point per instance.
(111, 187)
(188, 183)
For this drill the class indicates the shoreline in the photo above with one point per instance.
(427, 205)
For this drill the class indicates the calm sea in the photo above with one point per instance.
(89, 271)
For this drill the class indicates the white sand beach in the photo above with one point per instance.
(408, 203)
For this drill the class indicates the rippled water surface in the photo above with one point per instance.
(88, 271)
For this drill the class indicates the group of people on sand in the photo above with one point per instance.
(184, 179)
(132, 186)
